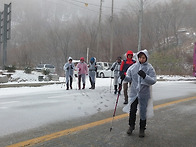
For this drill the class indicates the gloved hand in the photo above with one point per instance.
(122, 77)
(142, 74)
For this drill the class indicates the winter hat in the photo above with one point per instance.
(70, 58)
(118, 58)
(82, 58)
(92, 60)
(129, 52)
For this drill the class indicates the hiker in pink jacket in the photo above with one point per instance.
(82, 72)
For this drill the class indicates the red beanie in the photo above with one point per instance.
(82, 58)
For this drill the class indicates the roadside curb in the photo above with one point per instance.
(58, 82)
(193, 79)
(29, 84)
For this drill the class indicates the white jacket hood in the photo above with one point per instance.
(145, 53)
(70, 58)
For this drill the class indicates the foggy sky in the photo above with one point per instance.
(76, 5)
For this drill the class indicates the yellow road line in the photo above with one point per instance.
(173, 102)
(86, 126)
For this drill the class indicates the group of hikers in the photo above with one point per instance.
(139, 75)
(83, 69)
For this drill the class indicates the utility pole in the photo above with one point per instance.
(112, 31)
(140, 25)
(99, 27)
(87, 53)
(6, 30)
(1, 31)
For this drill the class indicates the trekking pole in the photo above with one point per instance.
(111, 83)
(120, 86)
(63, 82)
(76, 81)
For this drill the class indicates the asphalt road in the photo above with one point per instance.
(173, 125)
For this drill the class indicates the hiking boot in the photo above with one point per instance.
(79, 86)
(126, 102)
(115, 88)
(83, 86)
(141, 133)
(93, 87)
(142, 128)
(67, 86)
(130, 130)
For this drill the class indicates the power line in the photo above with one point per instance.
(79, 6)
(97, 5)
(60, 4)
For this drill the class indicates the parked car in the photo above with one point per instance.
(42, 67)
(102, 66)
(106, 73)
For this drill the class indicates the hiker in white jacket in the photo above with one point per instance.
(141, 75)
(69, 69)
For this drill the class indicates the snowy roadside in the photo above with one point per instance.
(21, 79)
(14, 88)
(175, 78)
(53, 99)
(100, 82)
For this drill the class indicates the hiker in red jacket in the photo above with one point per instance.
(123, 69)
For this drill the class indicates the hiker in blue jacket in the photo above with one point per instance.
(92, 72)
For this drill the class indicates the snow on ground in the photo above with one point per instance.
(24, 90)
(20, 77)
(175, 77)
(86, 102)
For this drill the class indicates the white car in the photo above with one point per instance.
(103, 67)
(106, 73)
(49, 67)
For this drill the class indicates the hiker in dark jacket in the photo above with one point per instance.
(123, 69)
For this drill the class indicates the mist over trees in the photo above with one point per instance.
(49, 32)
